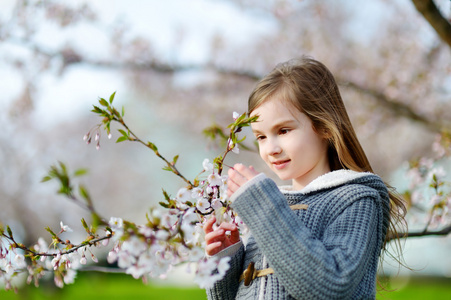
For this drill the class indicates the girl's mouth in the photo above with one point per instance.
(280, 164)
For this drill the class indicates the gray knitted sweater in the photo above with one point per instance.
(328, 251)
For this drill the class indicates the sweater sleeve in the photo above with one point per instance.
(227, 287)
(326, 268)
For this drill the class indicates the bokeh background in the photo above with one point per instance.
(179, 66)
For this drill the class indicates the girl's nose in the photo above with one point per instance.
(274, 148)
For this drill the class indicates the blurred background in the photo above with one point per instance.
(179, 66)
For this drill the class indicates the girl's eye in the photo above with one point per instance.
(284, 131)
(260, 137)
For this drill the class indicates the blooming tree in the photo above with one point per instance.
(171, 236)
(389, 85)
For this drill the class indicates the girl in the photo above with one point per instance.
(321, 237)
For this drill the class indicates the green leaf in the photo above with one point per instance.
(166, 195)
(163, 204)
(123, 111)
(103, 102)
(123, 132)
(96, 109)
(121, 139)
(240, 141)
(84, 193)
(175, 159)
(80, 172)
(51, 232)
(112, 97)
(152, 146)
(46, 178)
(167, 168)
(85, 225)
(96, 221)
(10, 232)
(63, 167)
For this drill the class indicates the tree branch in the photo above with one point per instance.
(443, 232)
(396, 107)
(431, 13)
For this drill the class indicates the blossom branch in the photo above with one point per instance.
(110, 114)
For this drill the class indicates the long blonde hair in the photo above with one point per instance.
(309, 86)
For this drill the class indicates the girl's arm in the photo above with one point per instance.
(324, 269)
(226, 288)
(217, 240)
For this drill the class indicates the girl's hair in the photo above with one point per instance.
(310, 87)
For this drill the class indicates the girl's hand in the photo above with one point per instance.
(217, 240)
(239, 175)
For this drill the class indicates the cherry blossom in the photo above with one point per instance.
(65, 228)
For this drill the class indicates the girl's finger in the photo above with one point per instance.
(231, 187)
(208, 226)
(217, 235)
(246, 172)
(228, 227)
(236, 177)
(213, 248)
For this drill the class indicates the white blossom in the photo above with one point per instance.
(69, 277)
(205, 276)
(117, 225)
(183, 195)
(196, 193)
(162, 235)
(214, 179)
(135, 271)
(203, 205)
(9, 269)
(41, 246)
(94, 258)
(65, 228)
(216, 204)
(234, 147)
(58, 281)
(196, 253)
(187, 229)
(112, 257)
(125, 260)
(223, 265)
(190, 216)
(169, 219)
(3, 262)
(207, 165)
(146, 231)
(19, 260)
(134, 246)
(56, 261)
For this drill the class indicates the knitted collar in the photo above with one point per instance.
(328, 180)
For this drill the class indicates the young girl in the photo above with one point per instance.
(321, 237)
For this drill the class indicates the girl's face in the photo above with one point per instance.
(288, 144)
